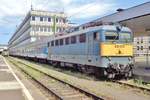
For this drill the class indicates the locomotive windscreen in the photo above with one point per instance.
(118, 37)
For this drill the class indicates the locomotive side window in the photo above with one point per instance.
(52, 43)
(82, 38)
(67, 40)
(56, 42)
(73, 39)
(61, 41)
(96, 36)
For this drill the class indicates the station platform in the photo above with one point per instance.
(142, 73)
(11, 88)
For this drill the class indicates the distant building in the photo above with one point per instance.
(142, 50)
(37, 25)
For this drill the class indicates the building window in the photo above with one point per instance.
(49, 19)
(67, 41)
(41, 18)
(33, 18)
(52, 43)
(61, 41)
(49, 29)
(37, 28)
(41, 29)
(141, 40)
(95, 36)
(82, 38)
(45, 19)
(45, 29)
(138, 48)
(141, 47)
(73, 39)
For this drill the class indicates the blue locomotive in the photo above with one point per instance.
(105, 50)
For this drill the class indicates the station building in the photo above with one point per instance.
(36, 26)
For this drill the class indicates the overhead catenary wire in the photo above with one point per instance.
(83, 10)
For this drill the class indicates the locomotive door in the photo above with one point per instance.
(49, 51)
(90, 46)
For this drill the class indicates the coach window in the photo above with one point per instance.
(56, 42)
(73, 39)
(67, 41)
(52, 43)
(82, 38)
(61, 41)
(96, 36)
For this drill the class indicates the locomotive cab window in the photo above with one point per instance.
(125, 37)
(111, 36)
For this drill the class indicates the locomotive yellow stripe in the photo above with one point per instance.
(111, 49)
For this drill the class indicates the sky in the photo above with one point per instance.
(12, 12)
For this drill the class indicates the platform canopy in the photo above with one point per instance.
(140, 25)
(137, 18)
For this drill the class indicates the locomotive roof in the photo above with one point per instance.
(92, 29)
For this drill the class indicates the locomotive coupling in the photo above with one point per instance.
(119, 68)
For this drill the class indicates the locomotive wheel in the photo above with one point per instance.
(99, 72)
(111, 76)
(130, 73)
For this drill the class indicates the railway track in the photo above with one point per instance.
(132, 86)
(58, 88)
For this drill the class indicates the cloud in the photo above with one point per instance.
(89, 10)
(76, 9)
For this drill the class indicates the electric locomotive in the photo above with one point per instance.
(105, 50)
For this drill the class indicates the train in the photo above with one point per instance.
(106, 51)
(5, 53)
